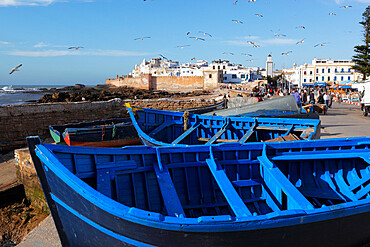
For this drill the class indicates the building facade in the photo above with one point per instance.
(322, 72)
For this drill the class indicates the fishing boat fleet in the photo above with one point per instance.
(205, 180)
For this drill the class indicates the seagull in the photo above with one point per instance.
(247, 55)
(196, 38)
(332, 13)
(301, 27)
(193, 58)
(347, 6)
(181, 46)
(251, 1)
(278, 35)
(236, 21)
(75, 47)
(163, 57)
(15, 69)
(187, 33)
(228, 53)
(142, 38)
(251, 60)
(252, 43)
(205, 34)
(286, 53)
(322, 44)
(300, 42)
(258, 15)
(235, 2)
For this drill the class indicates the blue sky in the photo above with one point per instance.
(37, 34)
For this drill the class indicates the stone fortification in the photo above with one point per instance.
(19, 121)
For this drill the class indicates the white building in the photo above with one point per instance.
(321, 72)
(269, 66)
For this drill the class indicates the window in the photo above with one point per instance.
(210, 75)
(310, 80)
(304, 80)
(311, 72)
(328, 70)
(322, 78)
(323, 70)
(218, 67)
(233, 76)
(349, 70)
(341, 78)
(214, 67)
(342, 70)
(225, 78)
(242, 76)
(336, 70)
(223, 67)
(317, 70)
(349, 78)
(305, 73)
(335, 78)
(317, 78)
(328, 78)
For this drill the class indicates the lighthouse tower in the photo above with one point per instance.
(269, 66)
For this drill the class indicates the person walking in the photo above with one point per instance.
(297, 98)
(326, 99)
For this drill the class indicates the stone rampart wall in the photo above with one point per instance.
(19, 121)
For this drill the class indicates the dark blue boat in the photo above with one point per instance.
(167, 128)
(302, 193)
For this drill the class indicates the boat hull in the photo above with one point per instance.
(93, 226)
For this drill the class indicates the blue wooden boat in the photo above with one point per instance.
(167, 128)
(302, 193)
(115, 132)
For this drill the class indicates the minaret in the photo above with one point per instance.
(269, 66)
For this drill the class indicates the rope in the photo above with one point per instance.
(186, 118)
(102, 132)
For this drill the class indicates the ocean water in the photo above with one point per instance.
(22, 94)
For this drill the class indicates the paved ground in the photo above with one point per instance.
(342, 120)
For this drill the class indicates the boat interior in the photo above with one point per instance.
(180, 129)
(222, 180)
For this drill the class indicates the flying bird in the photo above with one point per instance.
(347, 6)
(75, 47)
(196, 38)
(252, 43)
(182, 46)
(301, 27)
(250, 60)
(187, 33)
(332, 13)
(228, 53)
(142, 38)
(193, 58)
(322, 44)
(286, 53)
(300, 42)
(258, 15)
(251, 1)
(205, 34)
(237, 21)
(163, 57)
(247, 55)
(278, 35)
(15, 69)
(235, 2)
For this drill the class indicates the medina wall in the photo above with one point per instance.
(177, 83)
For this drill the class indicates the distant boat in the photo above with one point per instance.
(302, 193)
(116, 132)
(167, 128)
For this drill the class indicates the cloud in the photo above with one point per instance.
(279, 41)
(5, 3)
(58, 53)
(41, 44)
(347, 1)
(4, 43)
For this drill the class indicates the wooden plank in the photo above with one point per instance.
(186, 133)
(170, 198)
(246, 183)
(9, 185)
(219, 133)
(320, 193)
(249, 132)
(272, 173)
(202, 139)
(161, 127)
(232, 197)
